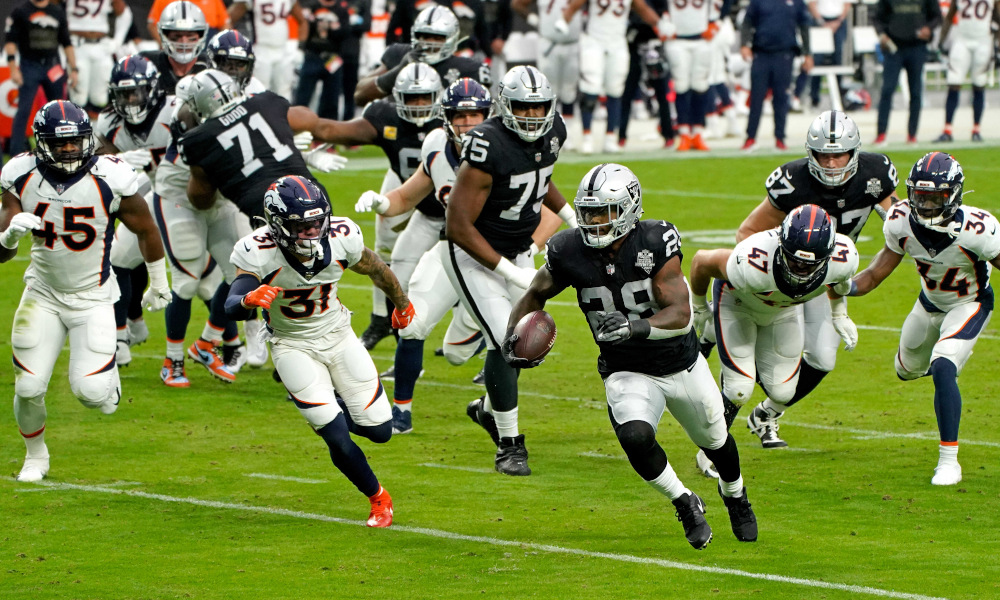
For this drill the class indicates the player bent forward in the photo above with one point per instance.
(291, 268)
(954, 247)
(70, 288)
(628, 278)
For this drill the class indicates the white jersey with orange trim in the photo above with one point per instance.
(270, 21)
(973, 20)
(610, 22)
(87, 15)
(691, 17)
(549, 12)
(955, 266)
(71, 253)
(153, 135)
(439, 159)
(751, 271)
(308, 308)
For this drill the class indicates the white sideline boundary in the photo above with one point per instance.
(283, 478)
(552, 549)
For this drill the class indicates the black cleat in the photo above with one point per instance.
(480, 377)
(379, 328)
(765, 426)
(691, 514)
(439, 352)
(512, 456)
(484, 419)
(741, 516)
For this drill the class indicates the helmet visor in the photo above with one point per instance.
(240, 69)
(928, 205)
(801, 269)
(131, 102)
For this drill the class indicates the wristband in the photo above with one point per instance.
(505, 268)
(157, 274)
(655, 333)
(568, 215)
(699, 301)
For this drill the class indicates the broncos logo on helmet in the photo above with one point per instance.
(934, 189)
(297, 213)
(64, 138)
(807, 242)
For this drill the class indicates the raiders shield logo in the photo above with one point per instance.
(554, 147)
(841, 203)
(611, 269)
(874, 187)
(538, 157)
(645, 261)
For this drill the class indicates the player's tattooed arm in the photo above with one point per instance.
(200, 190)
(134, 214)
(383, 278)
(882, 266)
(762, 218)
(11, 206)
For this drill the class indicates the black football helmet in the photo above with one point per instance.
(807, 242)
(465, 95)
(934, 189)
(297, 212)
(232, 53)
(135, 89)
(64, 138)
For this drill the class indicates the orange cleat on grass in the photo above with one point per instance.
(381, 515)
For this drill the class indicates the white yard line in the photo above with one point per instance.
(868, 434)
(284, 478)
(448, 535)
(456, 468)
(599, 455)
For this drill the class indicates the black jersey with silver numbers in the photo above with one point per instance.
(521, 174)
(450, 69)
(624, 283)
(168, 79)
(792, 185)
(245, 150)
(401, 141)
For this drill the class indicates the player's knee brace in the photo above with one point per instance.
(638, 440)
(29, 386)
(737, 388)
(97, 390)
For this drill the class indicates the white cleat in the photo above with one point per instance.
(256, 346)
(587, 147)
(611, 145)
(34, 469)
(706, 466)
(138, 332)
(123, 354)
(947, 474)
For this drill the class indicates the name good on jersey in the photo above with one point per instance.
(623, 284)
(792, 185)
(549, 13)
(439, 159)
(954, 267)
(521, 173)
(402, 141)
(450, 69)
(691, 17)
(87, 15)
(153, 134)
(70, 254)
(308, 307)
(751, 273)
(245, 150)
(270, 21)
(607, 20)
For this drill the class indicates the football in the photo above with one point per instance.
(536, 332)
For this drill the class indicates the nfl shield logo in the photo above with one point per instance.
(611, 269)
(421, 136)
(874, 187)
(538, 157)
(841, 203)
(60, 188)
(645, 261)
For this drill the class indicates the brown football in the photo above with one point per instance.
(536, 332)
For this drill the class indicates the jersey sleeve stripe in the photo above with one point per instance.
(727, 360)
(22, 182)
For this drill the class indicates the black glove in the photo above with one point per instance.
(507, 350)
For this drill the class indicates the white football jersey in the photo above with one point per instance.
(691, 17)
(751, 271)
(270, 21)
(112, 127)
(71, 253)
(974, 17)
(954, 267)
(87, 15)
(439, 160)
(549, 14)
(308, 308)
(610, 22)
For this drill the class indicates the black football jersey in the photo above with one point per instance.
(623, 283)
(245, 150)
(792, 185)
(401, 141)
(450, 69)
(521, 174)
(168, 80)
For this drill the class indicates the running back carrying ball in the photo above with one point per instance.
(536, 332)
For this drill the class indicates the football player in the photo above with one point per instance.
(233, 53)
(628, 279)
(954, 248)
(604, 59)
(559, 55)
(274, 66)
(89, 28)
(495, 206)
(466, 104)
(183, 33)
(759, 290)
(70, 287)
(290, 268)
(849, 185)
(970, 56)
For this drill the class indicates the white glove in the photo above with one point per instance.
(323, 161)
(20, 225)
(137, 159)
(703, 317)
(667, 28)
(519, 276)
(845, 327)
(303, 141)
(532, 20)
(533, 250)
(158, 296)
(372, 201)
(562, 26)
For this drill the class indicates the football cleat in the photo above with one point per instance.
(381, 514)
(706, 466)
(34, 469)
(379, 328)
(587, 147)
(402, 420)
(173, 375)
(256, 346)
(123, 354)
(204, 353)
(234, 357)
(911, 139)
(480, 377)
(765, 427)
(691, 514)
(780, 145)
(976, 137)
(439, 352)
(484, 419)
(944, 474)
(512, 456)
(685, 144)
(741, 516)
(698, 143)
(138, 332)
(749, 146)
(611, 145)
(945, 137)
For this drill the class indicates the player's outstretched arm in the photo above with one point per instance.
(764, 217)
(706, 265)
(12, 231)
(367, 90)
(885, 263)
(556, 202)
(399, 200)
(385, 280)
(355, 132)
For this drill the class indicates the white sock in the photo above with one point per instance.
(948, 455)
(668, 484)
(211, 334)
(774, 410)
(404, 405)
(506, 422)
(122, 334)
(732, 489)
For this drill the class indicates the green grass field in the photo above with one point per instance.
(222, 492)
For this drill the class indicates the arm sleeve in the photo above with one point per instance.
(242, 285)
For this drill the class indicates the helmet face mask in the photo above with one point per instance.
(608, 204)
(833, 132)
(434, 35)
(417, 93)
(177, 22)
(232, 53)
(522, 89)
(934, 189)
(297, 213)
(64, 137)
(135, 89)
(465, 97)
(807, 243)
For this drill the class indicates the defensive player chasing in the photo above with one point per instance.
(954, 247)
(68, 199)
(290, 268)
(629, 284)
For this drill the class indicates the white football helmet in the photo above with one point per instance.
(609, 190)
(435, 20)
(211, 93)
(187, 17)
(418, 79)
(521, 86)
(833, 132)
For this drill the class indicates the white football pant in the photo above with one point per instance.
(690, 64)
(603, 66)
(927, 336)
(560, 62)
(970, 58)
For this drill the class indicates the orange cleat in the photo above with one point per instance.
(381, 515)
(203, 353)
(685, 144)
(173, 374)
(698, 144)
